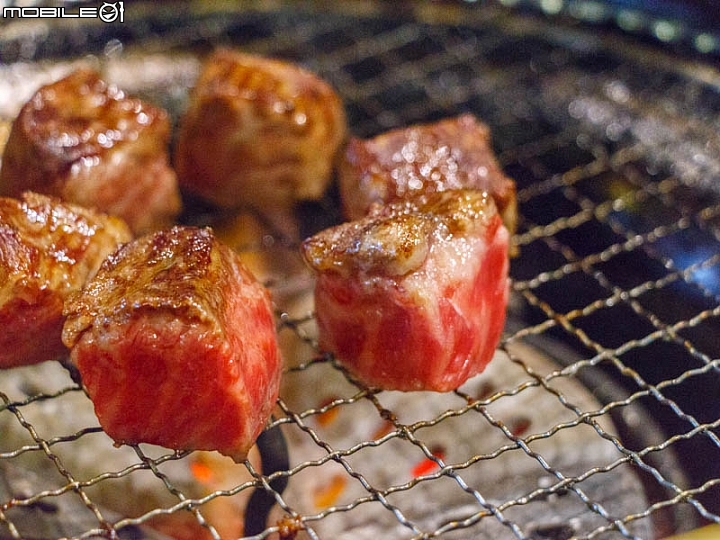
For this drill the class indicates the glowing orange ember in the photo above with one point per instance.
(427, 465)
(329, 493)
(329, 416)
(201, 471)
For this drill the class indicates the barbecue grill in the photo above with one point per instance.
(599, 416)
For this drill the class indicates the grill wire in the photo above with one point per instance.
(615, 149)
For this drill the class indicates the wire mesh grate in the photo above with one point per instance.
(599, 417)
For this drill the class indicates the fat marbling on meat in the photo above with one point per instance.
(175, 342)
(413, 296)
(86, 141)
(48, 249)
(452, 153)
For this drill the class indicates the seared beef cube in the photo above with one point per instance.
(86, 142)
(259, 132)
(413, 296)
(175, 342)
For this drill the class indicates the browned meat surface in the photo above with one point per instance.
(258, 132)
(413, 296)
(48, 249)
(85, 141)
(453, 153)
(175, 341)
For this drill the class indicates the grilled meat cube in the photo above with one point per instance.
(259, 132)
(454, 153)
(84, 141)
(175, 341)
(48, 249)
(413, 296)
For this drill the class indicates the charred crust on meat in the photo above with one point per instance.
(172, 269)
(40, 230)
(79, 117)
(394, 239)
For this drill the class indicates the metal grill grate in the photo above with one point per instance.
(599, 418)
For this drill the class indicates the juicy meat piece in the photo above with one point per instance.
(48, 249)
(453, 153)
(175, 342)
(413, 296)
(258, 131)
(84, 141)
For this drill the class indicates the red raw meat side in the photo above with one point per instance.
(175, 342)
(413, 297)
(31, 329)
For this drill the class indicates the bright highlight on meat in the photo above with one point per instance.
(452, 153)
